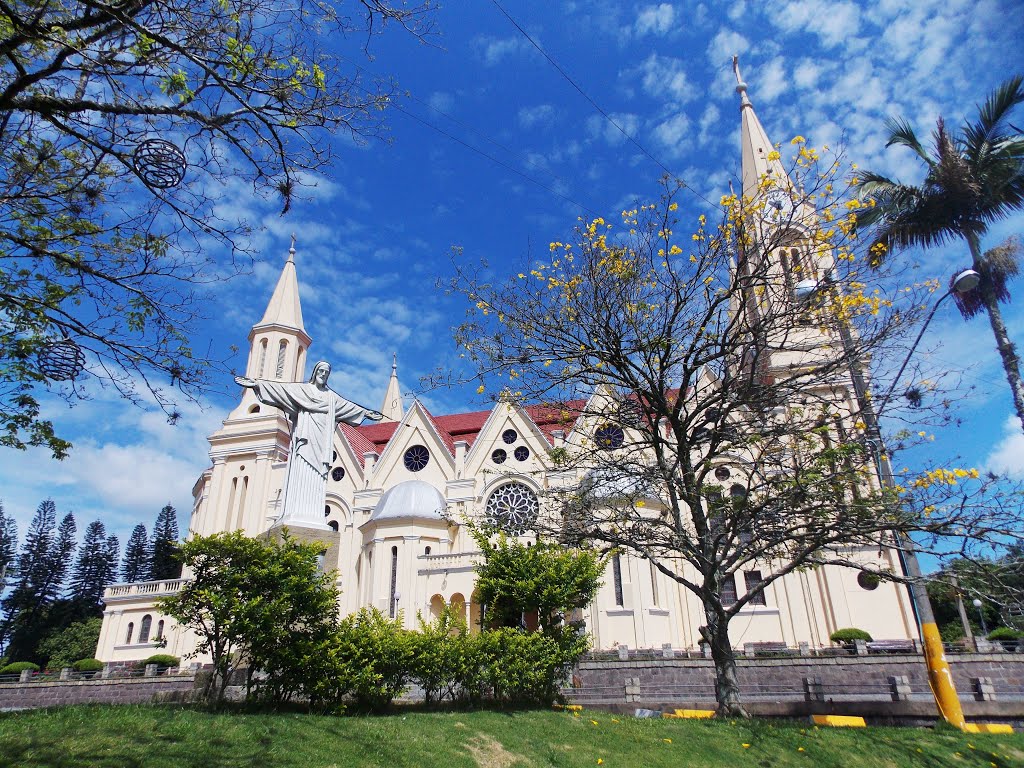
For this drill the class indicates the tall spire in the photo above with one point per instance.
(754, 142)
(284, 308)
(392, 407)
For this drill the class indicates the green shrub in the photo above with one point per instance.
(162, 660)
(439, 655)
(18, 667)
(87, 665)
(77, 641)
(848, 635)
(1001, 634)
(373, 658)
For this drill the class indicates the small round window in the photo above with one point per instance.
(337, 473)
(499, 456)
(509, 436)
(416, 458)
(723, 473)
(522, 453)
(609, 437)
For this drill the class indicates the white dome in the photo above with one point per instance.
(413, 498)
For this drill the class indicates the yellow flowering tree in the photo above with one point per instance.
(712, 369)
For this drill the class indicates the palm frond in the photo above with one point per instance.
(900, 133)
(994, 112)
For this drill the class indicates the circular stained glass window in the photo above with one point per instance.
(509, 436)
(609, 437)
(337, 473)
(513, 508)
(498, 456)
(722, 473)
(416, 458)
(522, 453)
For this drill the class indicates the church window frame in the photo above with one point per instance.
(393, 599)
(416, 458)
(620, 598)
(282, 350)
(128, 635)
(145, 627)
(751, 581)
(513, 507)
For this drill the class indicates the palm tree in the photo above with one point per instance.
(974, 177)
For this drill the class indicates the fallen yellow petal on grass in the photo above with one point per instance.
(746, 746)
(667, 741)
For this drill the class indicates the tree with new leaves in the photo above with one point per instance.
(120, 125)
(260, 604)
(711, 425)
(163, 548)
(974, 178)
(136, 563)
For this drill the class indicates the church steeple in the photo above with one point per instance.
(392, 408)
(755, 145)
(278, 342)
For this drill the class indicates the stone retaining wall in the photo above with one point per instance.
(53, 693)
(989, 685)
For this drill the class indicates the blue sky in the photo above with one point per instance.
(376, 230)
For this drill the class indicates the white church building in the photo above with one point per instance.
(397, 490)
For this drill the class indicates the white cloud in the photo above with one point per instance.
(655, 19)
(673, 132)
(494, 50)
(542, 114)
(441, 101)
(1007, 458)
(834, 23)
(724, 45)
(599, 128)
(663, 77)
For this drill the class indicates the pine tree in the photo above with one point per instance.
(35, 589)
(60, 556)
(8, 546)
(92, 572)
(137, 556)
(164, 564)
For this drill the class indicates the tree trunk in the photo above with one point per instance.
(1007, 351)
(727, 689)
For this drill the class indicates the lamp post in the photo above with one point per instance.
(981, 615)
(940, 677)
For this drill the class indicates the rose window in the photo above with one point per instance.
(513, 508)
(416, 458)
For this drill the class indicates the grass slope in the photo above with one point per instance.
(128, 736)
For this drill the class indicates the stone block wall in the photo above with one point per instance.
(53, 693)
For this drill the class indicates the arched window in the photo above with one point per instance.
(144, 627)
(426, 550)
(654, 584)
(333, 525)
(131, 629)
(394, 581)
(261, 371)
(159, 630)
(281, 349)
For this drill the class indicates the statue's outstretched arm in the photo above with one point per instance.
(245, 382)
(374, 415)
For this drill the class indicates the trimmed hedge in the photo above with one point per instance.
(87, 665)
(163, 660)
(849, 635)
(1005, 633)
(18, 667)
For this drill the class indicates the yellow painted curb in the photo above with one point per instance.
(694, 714)
(988, 728)
(839, 721)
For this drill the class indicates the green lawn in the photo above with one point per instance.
(128, 736)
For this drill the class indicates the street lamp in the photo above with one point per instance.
(939, 675)
(981, 615)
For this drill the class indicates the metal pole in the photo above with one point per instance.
(940, 677)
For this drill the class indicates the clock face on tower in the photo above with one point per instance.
(777, 205)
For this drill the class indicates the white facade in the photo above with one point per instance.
(398, 490)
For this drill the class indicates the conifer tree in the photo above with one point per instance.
(8, 546)
(34, 589)
(95, 567)
(164, 547)
(137, 556)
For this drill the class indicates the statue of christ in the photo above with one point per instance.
(314, 410)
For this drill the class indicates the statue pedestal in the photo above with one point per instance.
(307, 534)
